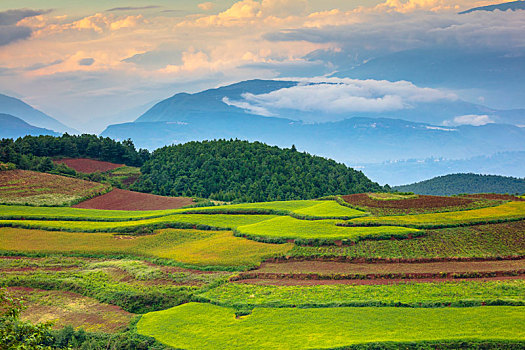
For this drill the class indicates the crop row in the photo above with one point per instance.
(202, 249)
(453, 293)
(415, 204)
(284, 228)
(511, 211)
(483, 241)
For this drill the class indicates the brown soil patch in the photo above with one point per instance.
(298, 282)
(128, 200)
(427, 202)
(67, 308)
(333, 267)
(88, 166)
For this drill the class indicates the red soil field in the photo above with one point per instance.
(128, 200)
(299, 282)
(328, 267)
(362, 199)
(88, 166)
(330, 272)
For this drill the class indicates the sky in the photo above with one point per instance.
(86, 63)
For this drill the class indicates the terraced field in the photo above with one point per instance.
(237, 276)
(24, 187)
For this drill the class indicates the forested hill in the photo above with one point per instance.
(243, 171)
(466, 183)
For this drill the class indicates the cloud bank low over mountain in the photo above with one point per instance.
(336, 98)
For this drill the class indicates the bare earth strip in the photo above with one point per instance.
(85, 165)
(128, 200)
(330, 272)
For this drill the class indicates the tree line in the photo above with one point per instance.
(36, 152)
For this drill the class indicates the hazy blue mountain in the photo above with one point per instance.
(22, 110)
(13, 127)
(452, 184)
(355, 140)
(414, 170)
(494, 76)
(514, 5)
(184, 106)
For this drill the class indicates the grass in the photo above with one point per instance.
(64, 213)
(192, 247)
(465, 293)
(25, 187)
(280, 229)
(482, 241)
(178, 220)
(205, 326)
(309, 209)
(503, 212)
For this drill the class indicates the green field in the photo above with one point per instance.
(482, 241)
(464, 293)
(280, 229)
(189, 247)
(504, 212)
(185, 220)
(205, 326)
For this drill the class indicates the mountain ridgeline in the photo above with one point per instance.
(242, 171)
(466, 183)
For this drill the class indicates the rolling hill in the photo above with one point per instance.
(466, 183)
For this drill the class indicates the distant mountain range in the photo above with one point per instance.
(493, 76)
(466, 183)
(361, 138)
(13, 127)
(20, 109)
(514, 5)
(413, 170)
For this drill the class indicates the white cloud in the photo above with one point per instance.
(471, 119)
(206, 6)
(340, 96)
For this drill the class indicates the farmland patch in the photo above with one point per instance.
(88, 166)
(33, 188)
(67, 308)
(205, 326)
(119, 199)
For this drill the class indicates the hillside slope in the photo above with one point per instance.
(466, 183)
(13, 127)
(244, 171)
(22, 110)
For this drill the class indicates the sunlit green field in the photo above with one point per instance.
(205, 326)
(455, 293)
(192, 247)
(503, 212)
(282, 228)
